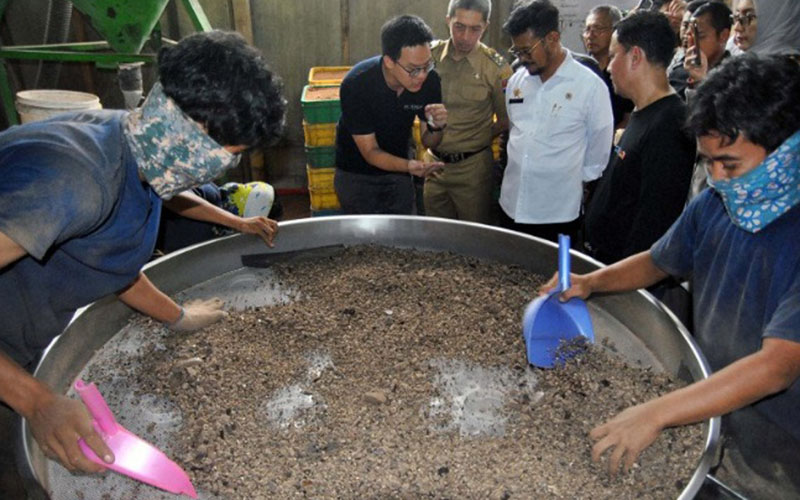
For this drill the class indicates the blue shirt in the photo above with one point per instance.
(70, 195)
(745, 287)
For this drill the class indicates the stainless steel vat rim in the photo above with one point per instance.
(389, 230)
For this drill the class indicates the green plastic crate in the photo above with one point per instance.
(320, 110)
(321, 156)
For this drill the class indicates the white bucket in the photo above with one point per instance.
(40, 104)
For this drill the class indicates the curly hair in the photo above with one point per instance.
(752, 95)
(539, 16)
(219, 80)
(651, 32)
(403, 31)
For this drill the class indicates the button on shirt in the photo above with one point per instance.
(472, 91)
(560, 136)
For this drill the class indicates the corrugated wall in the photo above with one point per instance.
(294, 36)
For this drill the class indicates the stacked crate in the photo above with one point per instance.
(321, 110)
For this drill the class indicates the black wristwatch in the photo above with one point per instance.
(436, 129)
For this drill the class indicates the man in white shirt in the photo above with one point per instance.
(561, 127)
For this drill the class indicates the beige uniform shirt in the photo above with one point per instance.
(472, 90)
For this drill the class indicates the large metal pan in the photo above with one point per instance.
(640, 328)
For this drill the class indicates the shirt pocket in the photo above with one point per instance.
(473, 91)
(564, 121)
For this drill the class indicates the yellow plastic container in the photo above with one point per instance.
(327, 75)
(319, 134)
(320, 188)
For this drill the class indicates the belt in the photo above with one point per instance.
(454, 157)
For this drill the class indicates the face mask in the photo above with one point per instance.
(763, 194)
(172, 151)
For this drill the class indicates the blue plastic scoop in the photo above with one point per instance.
(547, 321)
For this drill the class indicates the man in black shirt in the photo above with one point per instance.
(643, 189)
(380, 97)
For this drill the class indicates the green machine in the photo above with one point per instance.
(125, 26)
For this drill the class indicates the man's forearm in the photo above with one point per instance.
(18, 388)
(386, 161)
(143, 296)
(635, 272)
(188, 204)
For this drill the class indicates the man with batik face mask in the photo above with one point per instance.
(80, 199)
(738, 243)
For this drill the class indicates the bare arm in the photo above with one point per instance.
(57, 422)
(770, 370)
(374, 155)
(10, 251)
(143, 296)
(632, 273)
(192, 206)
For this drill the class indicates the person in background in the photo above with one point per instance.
(473, 80)
(106, 174)
(745, 27)
(712, 26)
(597, 31)
(737, 243)
(643, 188)
(678, 76)
(561, 126)
(778, 27)
(380, 97)
(674, 10)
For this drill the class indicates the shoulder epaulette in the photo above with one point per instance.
(495, 56)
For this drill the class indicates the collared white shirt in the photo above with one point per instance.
(560, 136)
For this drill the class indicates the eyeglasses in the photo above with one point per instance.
(596, 29)
(415, 72)
(518, 53)
(744, 19)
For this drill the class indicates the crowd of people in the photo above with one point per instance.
(652, 154)
(671, 152)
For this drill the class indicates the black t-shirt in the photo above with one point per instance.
(644, 188)
(619, 105)
(369, 106)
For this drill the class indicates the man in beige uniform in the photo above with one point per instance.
(473, 78)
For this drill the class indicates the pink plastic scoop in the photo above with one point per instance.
(133, 456)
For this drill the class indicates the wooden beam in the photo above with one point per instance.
(242, 19)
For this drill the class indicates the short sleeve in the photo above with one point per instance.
(673, 253)
(46, 196)
(357, 114)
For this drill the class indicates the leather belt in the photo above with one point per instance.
(454, 157)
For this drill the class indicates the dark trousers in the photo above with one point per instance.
(374, 194)
(546, 231)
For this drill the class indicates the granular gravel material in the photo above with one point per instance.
(401, 374)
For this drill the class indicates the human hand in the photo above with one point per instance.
(200, 313)
(697, 72)
(261, 226)
(580, 286)
(424, 168)
(626, 435)
(57, 423)
(436, 115)
(674, 11)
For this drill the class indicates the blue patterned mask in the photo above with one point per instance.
(763, 194)
(173, 151)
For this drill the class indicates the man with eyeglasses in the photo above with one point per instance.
(596, 38)
(380, 97)
(561, 127)
(473, 79)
